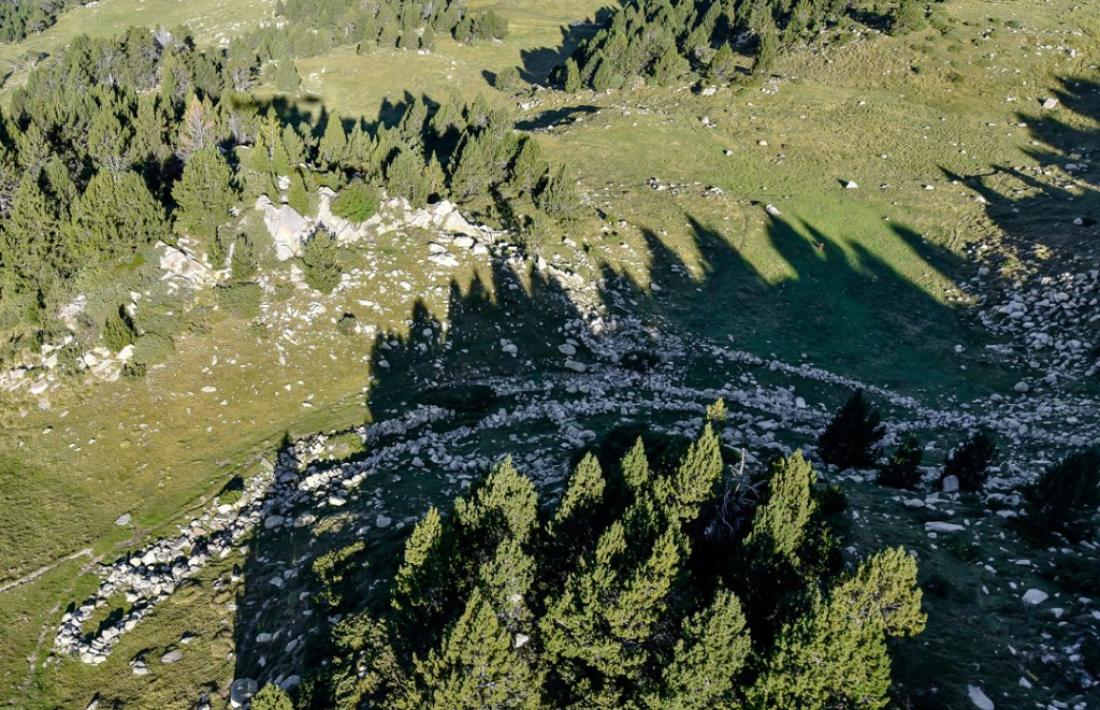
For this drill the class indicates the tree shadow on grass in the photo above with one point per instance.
(843, 308)
(538, 64)
(1063, 213)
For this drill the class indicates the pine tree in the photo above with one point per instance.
(902, 471)
(851, 439)
(287, 79)
(333, 147)
(1065, 497)
(117, 331)
(415, 586)
(908, 16)
(572, 81)
(298, 194)
(669, 65)
(695, 479)
(476, 667)
(635, 468)
(114, 217)
(204, 196)
(321, 268)
(780, 527)
(31, 246)
(529, 167)
(427, 39)
(767, 48)
(473, 173)
(198, 127)
(712, 649)
(405, 177)
(108, 141)
(835, 655)
(723, 66)
(576, 515)
(558, 196)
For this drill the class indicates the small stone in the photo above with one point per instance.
(1050, 104)
(1035, 596)
(1021, 387)
(979, 698)
(172, 657)
(123, 520)
(950, 484)
(383, 521)
(241, 691)
(851, 185)
(941, 527)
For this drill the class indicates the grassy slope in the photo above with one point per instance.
(211, 21)
(60, 482)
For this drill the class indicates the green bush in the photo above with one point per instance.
(242, 300)
(903, 468)
(117, 330)
(357, 202)
(321, 268)
(271, 697)
(970, 462)
(1066, 496)
(851, 439)
(328, 574)
(152, 349)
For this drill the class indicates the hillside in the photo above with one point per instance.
(234, 384)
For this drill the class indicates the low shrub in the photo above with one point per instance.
(117, 330)
(357, 202)
(152, 349)
(903, 468)
(851, 438)
(1066, 496)
(242, 300)
(970, 462)
(321, 269)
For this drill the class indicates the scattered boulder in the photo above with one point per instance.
(979, 698)
(241, 692)
(1034, 596)
(173, 656)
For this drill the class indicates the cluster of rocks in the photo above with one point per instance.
(150, 575)
(290, 230)
(1054, 323)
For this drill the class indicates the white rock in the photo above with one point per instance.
(979, 698)
(172, 656)
(241, 691)
(1035, 596)
(941, 527)
(123, 520)
(950, 484)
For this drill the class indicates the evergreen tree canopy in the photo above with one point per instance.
(851, 439)
(619, 601)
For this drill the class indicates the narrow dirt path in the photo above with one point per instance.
(8, 586)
